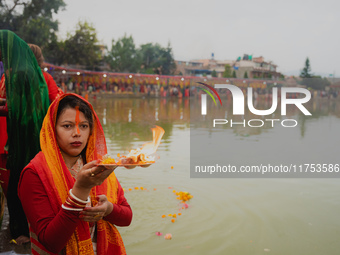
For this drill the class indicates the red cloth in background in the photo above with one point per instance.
(53, 90)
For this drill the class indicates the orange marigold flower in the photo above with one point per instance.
(173, 220)
(163, 216)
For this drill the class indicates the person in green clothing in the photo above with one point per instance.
(27, 104)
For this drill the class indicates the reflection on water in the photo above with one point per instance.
(226, 216)
(127, 121)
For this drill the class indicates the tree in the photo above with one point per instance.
(214, 73)
(82, 48)
(54, 52)
(245, 75)
(31, 20)
(306, 71)
(227, 71)
(234, 74)
(316, 82)
(156, 59)
(149, 55)
(167, 61)
(123, 56)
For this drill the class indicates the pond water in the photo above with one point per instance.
(226, 215)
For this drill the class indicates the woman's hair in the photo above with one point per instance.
(38, 54)
(72, 102)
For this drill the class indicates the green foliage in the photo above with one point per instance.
(245, 75)
(82, 48)
(31, 20)
(234, 74)
(123, 56)
(54, 52)
(214, 73)
(159, 60)
(316, 82)
(167, 61)
(306, 71)
(227, 71)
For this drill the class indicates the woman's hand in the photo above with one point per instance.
(89, 176)
(102, 209)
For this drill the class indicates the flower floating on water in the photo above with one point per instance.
(179, 214)
(163, 216)
(168, 236)
(184, 196)
(136, 188)
(172, 167)
(158, 234)
(173, 220)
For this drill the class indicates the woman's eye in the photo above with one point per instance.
(66, 126)
(84, 126)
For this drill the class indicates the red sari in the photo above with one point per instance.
(4, 173)
(56, 180)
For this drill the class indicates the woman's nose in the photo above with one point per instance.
(76, 131)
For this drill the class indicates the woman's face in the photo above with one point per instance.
(72, 131)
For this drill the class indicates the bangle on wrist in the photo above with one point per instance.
(78, 199)
(71, 209)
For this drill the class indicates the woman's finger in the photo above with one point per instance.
(93, 171)
(90, 164)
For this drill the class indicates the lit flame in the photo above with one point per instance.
(145, 154)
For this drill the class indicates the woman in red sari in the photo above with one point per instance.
(71, 203)
(53, 90)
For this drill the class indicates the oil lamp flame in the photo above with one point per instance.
(145, 154)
